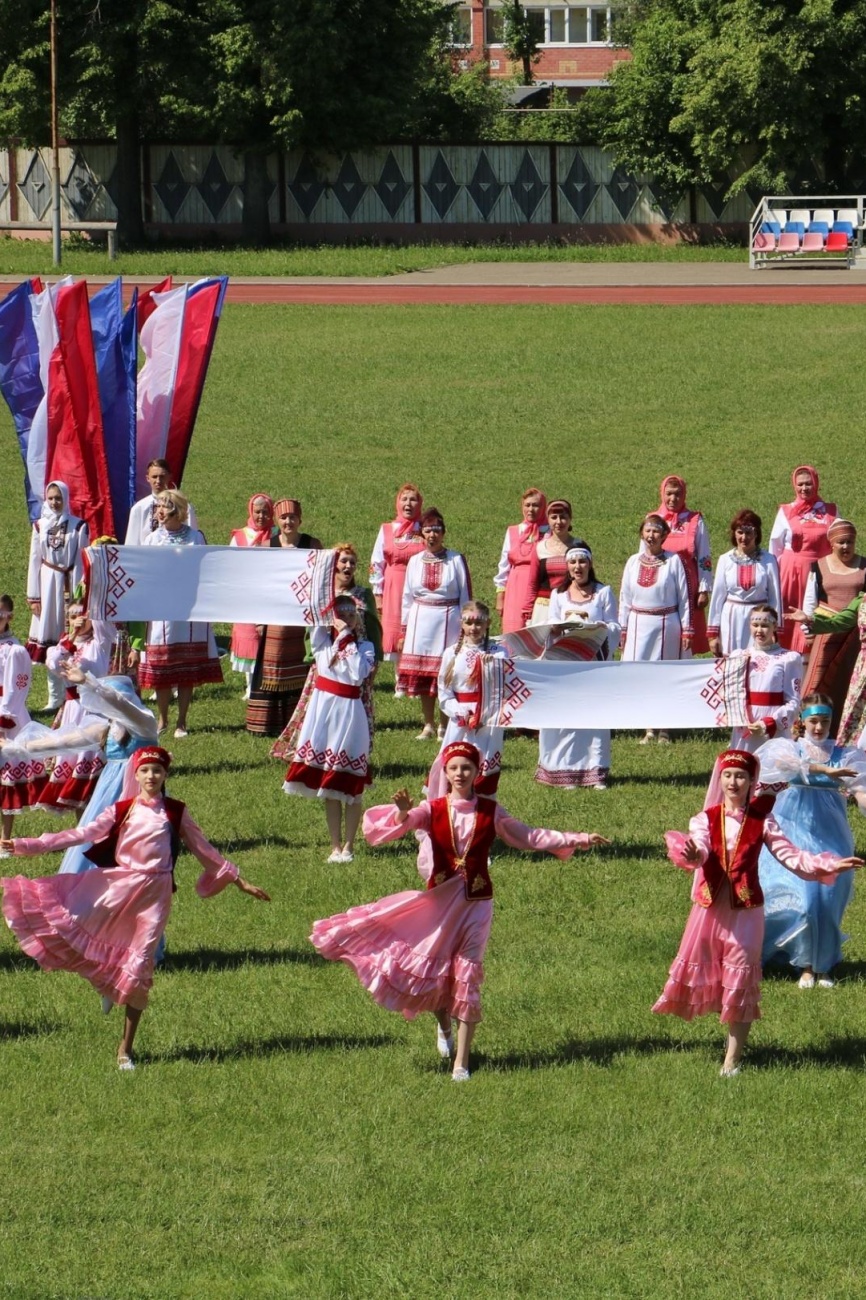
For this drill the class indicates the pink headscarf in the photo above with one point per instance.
(402, 526)
(533, 531)
(670, 516)
(798, 507)
(262, 535)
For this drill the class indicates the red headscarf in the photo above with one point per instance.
(670, 516)
(402, 525)
(533, 531)
(262, 535)
(462, 749)
(798, 507)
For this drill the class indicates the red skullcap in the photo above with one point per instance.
(151, 754)
(739, 758)
(462, 749)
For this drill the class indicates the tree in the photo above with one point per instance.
(521, 37)
(742, 92)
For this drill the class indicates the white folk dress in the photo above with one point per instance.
(654, 607)
(332, 757)
(774, 677)
(21, 777)
(436, 589)
(74, 776)
(55, 570)
(459, 699)
(572, 760)
(741, 582)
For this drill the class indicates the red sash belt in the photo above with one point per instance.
(467, 697)
(765, 697)
(337, 688)
(656, 612)
(72, 693)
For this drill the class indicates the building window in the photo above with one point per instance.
(556, 24)
(460, 25)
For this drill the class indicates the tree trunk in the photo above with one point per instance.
(130, 227)
(256, 222)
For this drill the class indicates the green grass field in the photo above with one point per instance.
(283, 1135)
(33, 257)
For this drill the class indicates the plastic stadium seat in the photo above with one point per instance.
(765, 242)
(800, 214)
(794, 228)
(771, 228)
(777, 214)
(843, 228)
(789, 242)
(813, 242)
(848, 214)
(818, 227)
(837, 242)
(827, 215)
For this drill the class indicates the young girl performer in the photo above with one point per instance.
(19, 780)
(332, 758)
(396, 543)
(105, 925)
(718, 966)
(772, 682)
(422, 950)
(459, 698)
(75, 773)
(803, 920)
(518, 548)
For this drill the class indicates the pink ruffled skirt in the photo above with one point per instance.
(103, 925)
(420, 950)
(718, 966)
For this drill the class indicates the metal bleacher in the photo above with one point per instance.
(818, 230)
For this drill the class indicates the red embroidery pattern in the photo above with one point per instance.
(329, 760)
(22, 681)
(117, 582)
(514, 693)
(432, 575)
(714, 689)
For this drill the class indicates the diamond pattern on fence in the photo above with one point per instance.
(714, 196)
(349, 188)
(623, 190)
(214, 187)
(579, 186)
(392, 186)
(441, 187)
(171, 187)
(4, 187)
(36, 187)
(527, 188)
(80, 187)
(306, 188)
(666, 206)
(484, 187)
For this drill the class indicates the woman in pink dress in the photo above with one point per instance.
(512, 575)
(833, 583)
(688, 538)
(718, 966)
(799, 537)
(547, 566)
(394, 547)
(256, 532)
(105, 925)
(423, 950)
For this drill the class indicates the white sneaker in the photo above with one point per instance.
(107, 1004)
(602, 786)
(459, 1075)
(826, 982)
(125, 1063)
(180, 733)
(346, 856)
(444, 1044)
(426, 733)
(336, 856)
(806, 980)
(729, 1071)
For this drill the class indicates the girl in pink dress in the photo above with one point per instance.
(718, 966)
(799, 537)
(394, 547)
(256, 532)
(688, 538)
(423, 950)
(105, 925)
(512, 576)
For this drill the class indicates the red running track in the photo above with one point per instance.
(367, 295)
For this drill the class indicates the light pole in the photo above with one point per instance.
(55, 146)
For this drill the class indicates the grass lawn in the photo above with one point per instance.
(283, 1135)
(33, 257)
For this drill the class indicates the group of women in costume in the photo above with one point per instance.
(768, 883)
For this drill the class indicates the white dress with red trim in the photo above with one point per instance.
(773, 680)
(741, 582)
(55, 570)
(20, 778)
(436, 589)
(459, 700)
(73, 778)
(572, 760)
(178, 653)
(332, 757)
(654, 607)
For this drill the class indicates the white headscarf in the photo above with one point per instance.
(62, 516)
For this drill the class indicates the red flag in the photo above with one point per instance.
(146, 305)
(203, 307)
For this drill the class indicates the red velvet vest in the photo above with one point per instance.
(740, 867)
(102, 854)
(471, 865)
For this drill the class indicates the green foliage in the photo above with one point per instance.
(560, 122)
(741, 92)
(520, 37)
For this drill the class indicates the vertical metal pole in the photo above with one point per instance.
(55, 147)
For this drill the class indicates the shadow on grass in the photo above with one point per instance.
(683, 780)
(211, 769)
(401, 771)
(278, 1045)
(212, 959)
(17, 961)
(265, 842)
(14, 1029)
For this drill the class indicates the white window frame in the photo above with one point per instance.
(547, 43)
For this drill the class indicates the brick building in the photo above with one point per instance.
(574, 41)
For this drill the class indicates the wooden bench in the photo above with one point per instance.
(107, 228)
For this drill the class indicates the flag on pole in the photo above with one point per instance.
(20, 383)
(115, 341)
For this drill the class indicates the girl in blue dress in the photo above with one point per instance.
(803, 919)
